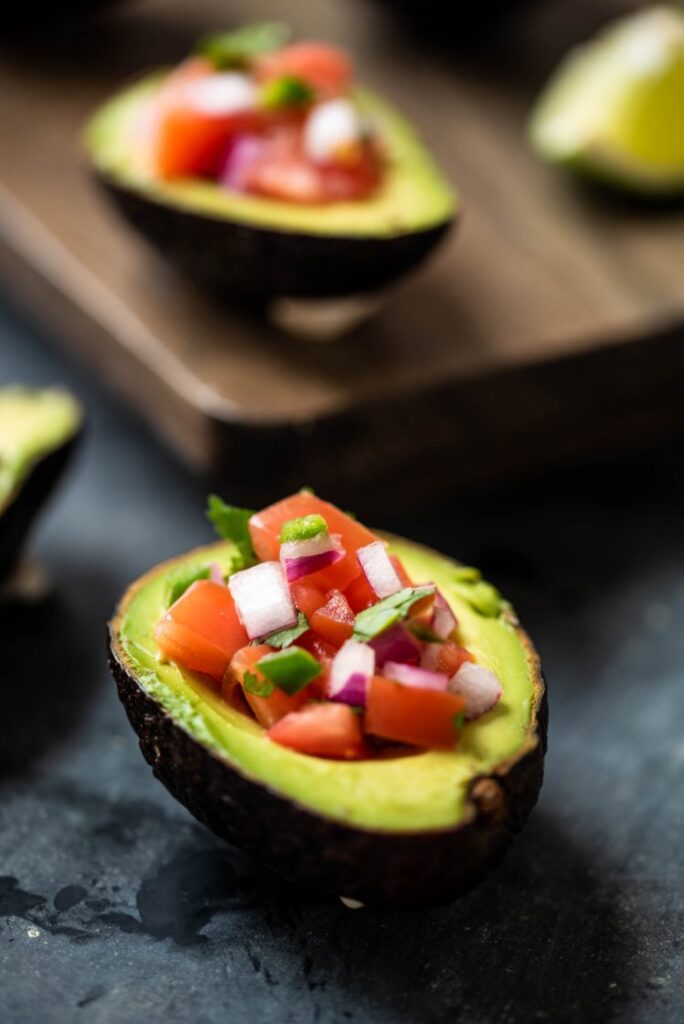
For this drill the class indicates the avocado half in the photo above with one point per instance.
(415, 830)
(257, 249)
(39, 430)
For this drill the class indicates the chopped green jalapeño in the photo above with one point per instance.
(290, 669)
(304, 528)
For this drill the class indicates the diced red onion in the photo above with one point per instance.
(411, 675)
(215, 573)
(443, 621)
(395, 644)
(302, 557)
(382, 577)
(351, 668)
(480, 688)
(262, 598)
(238, 161)
(430, 656)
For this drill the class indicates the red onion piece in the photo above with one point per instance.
(241, 156)
(395, 644)
(411, 675)
(443, 621)
(302, 557)
(262, 598)
(382, 577)
(296, 568)
(480, 688)
(215, 574)
(351, 668)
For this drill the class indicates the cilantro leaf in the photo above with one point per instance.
(251, 684)
(379, 617)
(180, 579)
(238, 48)
(285, 637)
(458, 721)
(232, 523)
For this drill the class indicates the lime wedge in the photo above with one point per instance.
(614, 109)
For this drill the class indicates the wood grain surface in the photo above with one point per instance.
(548, 324)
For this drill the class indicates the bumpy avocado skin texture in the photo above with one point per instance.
(370, 853)
(37, 465)
(256, 249)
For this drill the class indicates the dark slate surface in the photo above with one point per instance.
(116, 908)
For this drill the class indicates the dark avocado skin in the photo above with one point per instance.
(18, 516)
(255, 263)
(404, 870)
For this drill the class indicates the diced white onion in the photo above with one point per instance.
(305, 548)
(262, 598)
(225, 93)
(330, 127)
(480, 688)
(382, 577)
(351, 668)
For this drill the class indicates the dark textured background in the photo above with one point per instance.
(116, 908)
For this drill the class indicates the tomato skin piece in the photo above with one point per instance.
(400, 568)
(202, 628)
(321, 730)
(265, 527)
(450, 658)
(360, 594)
(266, 710)
(208, 608)
(307, 597)
(191, 651)
(187, 142)
(334, 621)
(409, 714)
(326, 69)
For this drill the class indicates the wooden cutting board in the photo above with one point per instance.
(548, 325)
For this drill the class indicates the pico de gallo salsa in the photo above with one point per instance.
(261, 116)
(321, 635)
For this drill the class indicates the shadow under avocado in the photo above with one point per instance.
(545, 932)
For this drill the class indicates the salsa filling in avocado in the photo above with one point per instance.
(319, 632)
(264, 119)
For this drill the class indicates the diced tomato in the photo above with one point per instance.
(406, 580)
(334, 621)
(265, 527)
(360, 594)
(322, 652)
(201, 630)
(325, 68)
(283, 171)
(323, 730)
(307, 597)
(190, 650)
(187, 141)
(409, 714)
(450, 657)
(267, 710)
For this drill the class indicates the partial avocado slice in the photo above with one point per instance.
(258, 249)
(413, 830)
(614, 110)
(38, 432)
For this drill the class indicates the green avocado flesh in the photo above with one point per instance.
(32, 424)
(423, 791)
(414, 196)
